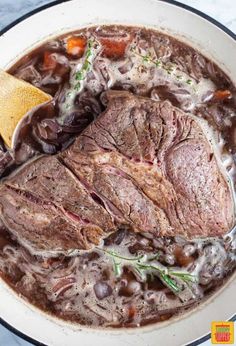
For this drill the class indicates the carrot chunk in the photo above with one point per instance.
(113, 48)
(132, 312)
(221, 95)
(76, 45)
(49, 62)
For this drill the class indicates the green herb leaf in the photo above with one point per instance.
(82, 73)
(88, 54)
(79, 75)
(158, 63)
(144, 265)
(117, 268)
(187, 277)
(114, 254)
(77, 86)
(146, 58)
(87, 65)
(170, 282)
(140, 272)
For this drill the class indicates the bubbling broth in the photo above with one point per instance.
(125, 271)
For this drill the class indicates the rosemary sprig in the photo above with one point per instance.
(163, 274)
(116, 255)
(186, 277)
(169, 68)
(86, 67)
(117, 268)
(144, 265)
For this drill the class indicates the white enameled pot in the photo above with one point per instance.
(214, 41)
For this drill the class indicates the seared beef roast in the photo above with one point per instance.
(141, 151)
(142, 164)
(48, 207)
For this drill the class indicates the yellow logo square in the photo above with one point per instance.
(222, 332)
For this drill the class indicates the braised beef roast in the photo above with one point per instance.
(142, 164)
(143, 186)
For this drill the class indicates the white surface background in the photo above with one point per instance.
(222, 10)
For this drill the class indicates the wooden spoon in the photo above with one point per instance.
(17, 98)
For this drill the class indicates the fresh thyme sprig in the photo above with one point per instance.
(169, 68)
(86, 67)
(144, 265)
